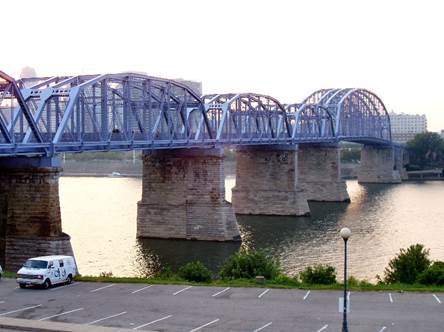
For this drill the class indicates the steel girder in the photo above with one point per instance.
(247, 118)
(99, 113)
(359, 115)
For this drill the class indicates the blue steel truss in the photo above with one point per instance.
(310, 122)
(247, 119)
(358, 114)
(45, 116)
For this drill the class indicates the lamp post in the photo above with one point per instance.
(345, 234)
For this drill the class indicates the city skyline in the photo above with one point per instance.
(276, 48)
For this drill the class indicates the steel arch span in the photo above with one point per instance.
(358, 115)
(310, 122)
(45, 116)
(99, 113)
(247, 118)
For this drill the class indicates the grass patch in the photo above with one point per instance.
(284, 283)
(8, 274)
(281, 282)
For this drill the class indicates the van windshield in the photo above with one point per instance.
(35, 264)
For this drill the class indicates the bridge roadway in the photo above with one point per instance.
(172, 308)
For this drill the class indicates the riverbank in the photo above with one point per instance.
(282, 283)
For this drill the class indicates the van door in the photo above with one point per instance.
(52, 271)
(55, 272)
(62, 269)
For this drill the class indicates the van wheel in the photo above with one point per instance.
(47, 284)
(22, 285)
(69, 279)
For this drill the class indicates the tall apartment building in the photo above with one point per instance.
(406, 126)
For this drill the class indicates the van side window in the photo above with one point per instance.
(61, 263)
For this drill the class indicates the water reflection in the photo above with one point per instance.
(100, 215)
(153, 255)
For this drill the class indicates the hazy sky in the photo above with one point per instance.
(285, 49)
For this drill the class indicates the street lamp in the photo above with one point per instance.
(345, 234)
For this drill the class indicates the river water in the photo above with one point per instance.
(100, 215)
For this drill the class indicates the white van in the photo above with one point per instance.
(46, 271)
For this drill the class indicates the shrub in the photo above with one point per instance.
(248, 265)
(195, 271)
(283, 279)
(165, 272)
(434, 275)
(407, 265)
(105, 274)
(353, 281)
(319, 274)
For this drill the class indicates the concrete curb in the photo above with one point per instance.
(34, 325)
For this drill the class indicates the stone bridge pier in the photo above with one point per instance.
(401, 159)
(30, 221)
(319, 173)
(378, 165)
(266, 182)
(183, 196)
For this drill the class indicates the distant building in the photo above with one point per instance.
(193, 85)
(28, 72)
(406, 126)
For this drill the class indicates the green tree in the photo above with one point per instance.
(407, 265)
(426, 151)
(247, 265)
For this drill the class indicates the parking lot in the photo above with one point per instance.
(192, 308)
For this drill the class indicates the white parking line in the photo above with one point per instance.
(23, 309)
(182, 290)
(2, 301)
(390, 298)
(261, 328)
(205, 325)
(382, 329)
(61, 314)
(437, 298)
(152, 322)
(141, 289)
(104, 318)
(322, 328)
(306, 295)
(60, 287)
(263, 293)
(100, 288)
(223, 290)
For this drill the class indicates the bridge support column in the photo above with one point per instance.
(319, 168)
(30, 221)
(266, 182)
(401, 159)
(377, 165)
(183, 196)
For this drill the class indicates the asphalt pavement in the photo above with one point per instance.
(198, 308)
